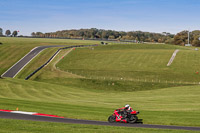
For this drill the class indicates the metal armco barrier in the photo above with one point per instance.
(54, 56)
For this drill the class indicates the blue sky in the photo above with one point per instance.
(122, 15)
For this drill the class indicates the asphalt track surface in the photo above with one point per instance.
(17, 67)
(8, 115)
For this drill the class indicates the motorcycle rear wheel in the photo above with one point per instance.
(111, 119)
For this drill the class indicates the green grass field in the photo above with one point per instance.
(133, 62)
(19, 126)
(89, 83)
(169, 104)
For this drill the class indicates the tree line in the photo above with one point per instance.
(8, 33)
(93, 33)
(180, 38)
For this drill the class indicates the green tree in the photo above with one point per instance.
(104, 35)
(195, 38)
(1, 32)
(33, 34)
(15, 33)
(47, 34)
(196, 41)
(169, 41)
(39, 34)
(8, 33)
(181, 38)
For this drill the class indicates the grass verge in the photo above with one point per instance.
(21, 126)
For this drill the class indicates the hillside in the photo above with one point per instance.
(89, 83)
(13, 49)
(134, 62)
(91, 69)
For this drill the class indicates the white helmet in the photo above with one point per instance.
(127, 106)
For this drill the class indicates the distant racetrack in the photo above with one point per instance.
(9, 115)
(17, 67)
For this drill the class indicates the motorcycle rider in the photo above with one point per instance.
(128, 109)
(125, 110)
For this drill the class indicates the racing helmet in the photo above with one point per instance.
(127, 106)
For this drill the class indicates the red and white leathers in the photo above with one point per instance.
(129, 110)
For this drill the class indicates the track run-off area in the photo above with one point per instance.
(32, 116)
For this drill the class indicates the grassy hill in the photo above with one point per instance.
(118, 75)
(89, 83)
(134, 62)
(13, 49)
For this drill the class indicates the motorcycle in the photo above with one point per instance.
(121, 115)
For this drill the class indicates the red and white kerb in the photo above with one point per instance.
(30, 113)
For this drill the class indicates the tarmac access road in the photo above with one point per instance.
(17, 67)
(8, 115)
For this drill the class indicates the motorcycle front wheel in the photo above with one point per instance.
(111, 119)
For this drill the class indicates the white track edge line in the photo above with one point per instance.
(23, 112)
(53, 58)
(64, 55)
(18, 61)
(56, 55)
